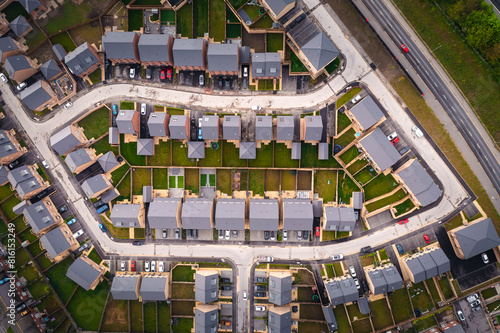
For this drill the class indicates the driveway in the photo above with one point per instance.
(475, 322)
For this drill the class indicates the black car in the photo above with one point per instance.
(226, 287)
(98, 203)
(62, 209)
(13, 164)
(225, 280)
(220, 82)
(259, 288)
(266, 235)
(306, 235)
(21, 307)
(366, 249)
(259, 294)
(136, 243)
(42, 194)
(228, 84)
(365, 285)
(260, 280)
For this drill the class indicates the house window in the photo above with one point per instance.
(213, 316)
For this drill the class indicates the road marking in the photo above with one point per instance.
(426, 71)
(418, 61)
(454, 109)
(462, 121)
(435, 84)
(445, 97)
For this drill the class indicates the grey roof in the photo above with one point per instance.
(119, 45)
(314, 128)
(16, 63)
(4, 172)
(154, 287)
(222, 57)
(429, 265)
(177, 127)
(230, 214)
(441, 260)
(34, 95)
(367, 112)
(248, 150)
(231, 126)
(456, 328)
(420, 183)
(347, 219)
(317, 208)
(64, 140)
(145, 147)
(476, 238)
(94, 185)
(264, 214)
(19, 25)
(320, 50)
(80, 59)
(349, 289)
(38, 216)
(364, 308)
(357, 200)
(196, 149)
(7, 44)
(188, 52)
(378, 281)
(19, 208)
(380, 149)
(296, 150)
(331, 321)
(278, 5)
(156, 123)
(280, 288)
(266, 64)
(154, 47)
(77, 158)
(342, 290)
(279, 321)
(297, 214)
(59, 51)
(50, 69)
(162, 213)
(110, 195)
(335, 292)
(264, 128)
(124, 287)
(124, 121)
(82, 273)
(30, 5)
(323, 151)
(417, 270)
(196, 213)
(114, 136)
(244, 54)
(393, 279)
(6, 145)
(210, 127)
(54, 242)
(19, 175)
(147, 193)
(285, 128)
(126, 215)
(207, 320)
(206, 287)
(108, 161)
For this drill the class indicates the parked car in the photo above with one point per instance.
(477, 308)
(256, 108)
(245, 295)
(475, 303)
(153, 266)
(4, 280)
(245, 71)
(316, 232)
(484, 256)
(305, 234)
(68, 105)
(426, 239)
(21, 307)
(260, 280)
(201, 79)
(259, 294)
(45, 164)
(200, 137)
(221, 234)
(228, 84)
(21, 86)
(472, 298)
(102, 227)
(137, 243)
(122, 266)
(259, 288)
(266, 235)
(337, 257)
(13, 164)
(260, 308)
(460, 315)
(115, 109)
(78, 233)
(285, 235)
(98, 203)
(226, 287)
(404, 150)
(189, 233)
(299, 235)
(226, 322)
(177, 233)
(143, 109)
(132, 72)
(403, 221)
(83, 247)
(400, 249)
(366, 249)
(225, 280)
(228, 234)
(392, 136)
(405, 48)
(417, 131)
(162, 74)
(356, 283)
(220, 82)
(394, 141)
(355, 99)
(195, 233)
(161, 266)
(169, 73)
(352, 271)
(146, 266)
(3, 77)
(25, 312)
(164, 233)
(102, 209)
(148, 72)
(272, 235)
(235, 233)
(70, 222)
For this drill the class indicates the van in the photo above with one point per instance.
(256, 108)
(417, 131)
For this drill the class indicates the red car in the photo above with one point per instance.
(132, 265)
(394, 141)
(405, 48)
(169, 73)
(403, 221)
(426, 239)
(317, 232)
(162, 74)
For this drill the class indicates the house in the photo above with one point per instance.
(59, 51)
(145, 147)
(312, 128)
(278, 8)
(197, 213)
(280, 288)
(110, 195)
(86, 273)
(4, 24)
(230, 214)
(20, 67)
(125, 286)
(266, 65)
(296, 150)
(179, 127)
(190, 54)
(20, 27)
(42, 216)
(4, 172)
(128, 122)
(39, 96)
(451, 327)
(10, 148)
(96, 185)
(285, 128)
(264, 214)
(128, 216)
(8, 48)
(165, 213)
(108, 162)
(50, 69)
(222, 59)
(473, 239)
(331, 321)
(423, 265)
(210, 127)
(114, 136)
(340, 219)
(83, 60)
(264, 128)
(156, 49)
(67, 139)
(244, 56)
(154, 287)
(157, 124)
(26, 181)
(366, 113)
(280, 319)
(379, 150)
(59, 242)
(342, 290)
(323, 151)
(248, 151)
(357, 200)
(147, 194)
(231, 127)
(383, 279)
(80, 159)
(121, 47)
(417, 182)
(35, 7)
(319, 51)
(297, 214)
(196, 149)
(206, 318)
(206, 286)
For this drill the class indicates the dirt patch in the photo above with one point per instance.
(43, 53)
(116, 315)
(255, 41)
(304, 182)
(90, 33)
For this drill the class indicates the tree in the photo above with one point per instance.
(481, 30)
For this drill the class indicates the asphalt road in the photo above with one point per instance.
(440, 90)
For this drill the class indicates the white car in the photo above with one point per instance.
(245, 71)
(3, 77)
(143, 109)
(228, 234)
(245, 295)
(146, 266)
(78, 233)
(460, 315)
(472, 298)
(417, 131)
(153, 266)
(355, 99)
(260, 308)
(122, 265)
(68, 105)
(337, 257)
(21, 86)
(392, 136)
(161, 267)
(285, 233)
(484, 256)
(356, 283)
(45, 164)
(132, 73)
(352, 271)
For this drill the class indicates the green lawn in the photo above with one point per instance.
(230, 16)
(404, 207)
(264, 157)
(329, 271)
(140, 178)
(27, 235)
(296, 64)
(345, 138)
(224, 181)
(200, 17)
(256, 181)
(309, 157)
(182, 291)
(39, 289)
(431, 286)
(183, 308)
(183, 273)
(400, 194)
(231, 155)
(378, 186)
(71, 15)
(124, 188)
(192, 180)
(135, 21)
(43, 261)
(5, 191)
(357, 165)
(34, 38)
(95, 257)
(65, 41)
(160, 179)
(115, 316)
(161, 156)
(34, 248)
(274, 42)
(348, 96)
(272, 180)
(96, 124)
(311, 312)
(494, 306)
(325, 189)
(103, 146)
(420, 298)
(488, 293)
(19, 224)
(163, 317)
(185, 20)
(183, 325)
(332, 67)
(64, 286)
(288, 180)
(121, 233)
(244, 180)
(49, 303)
(3, 229)
(424, 323)
(14, 10)
(179, 154)
(29, 272)
(118, 174)
(252, 12)
(136, 316)
(400, 301)
(350, 154)
(213, 158)
(264, 22)
(365, 175)
(8, 205)
(342, 319)
(362, 326)
(233, 30)
(129, 152)
(381, 314)
(345, 188)
(96, 76)
(444, 284)
(167, 16)
(216, 20)
(127, 105)
(283, 157)
(313, 327)
(343, 122)
(149, 317)
(353, 311)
